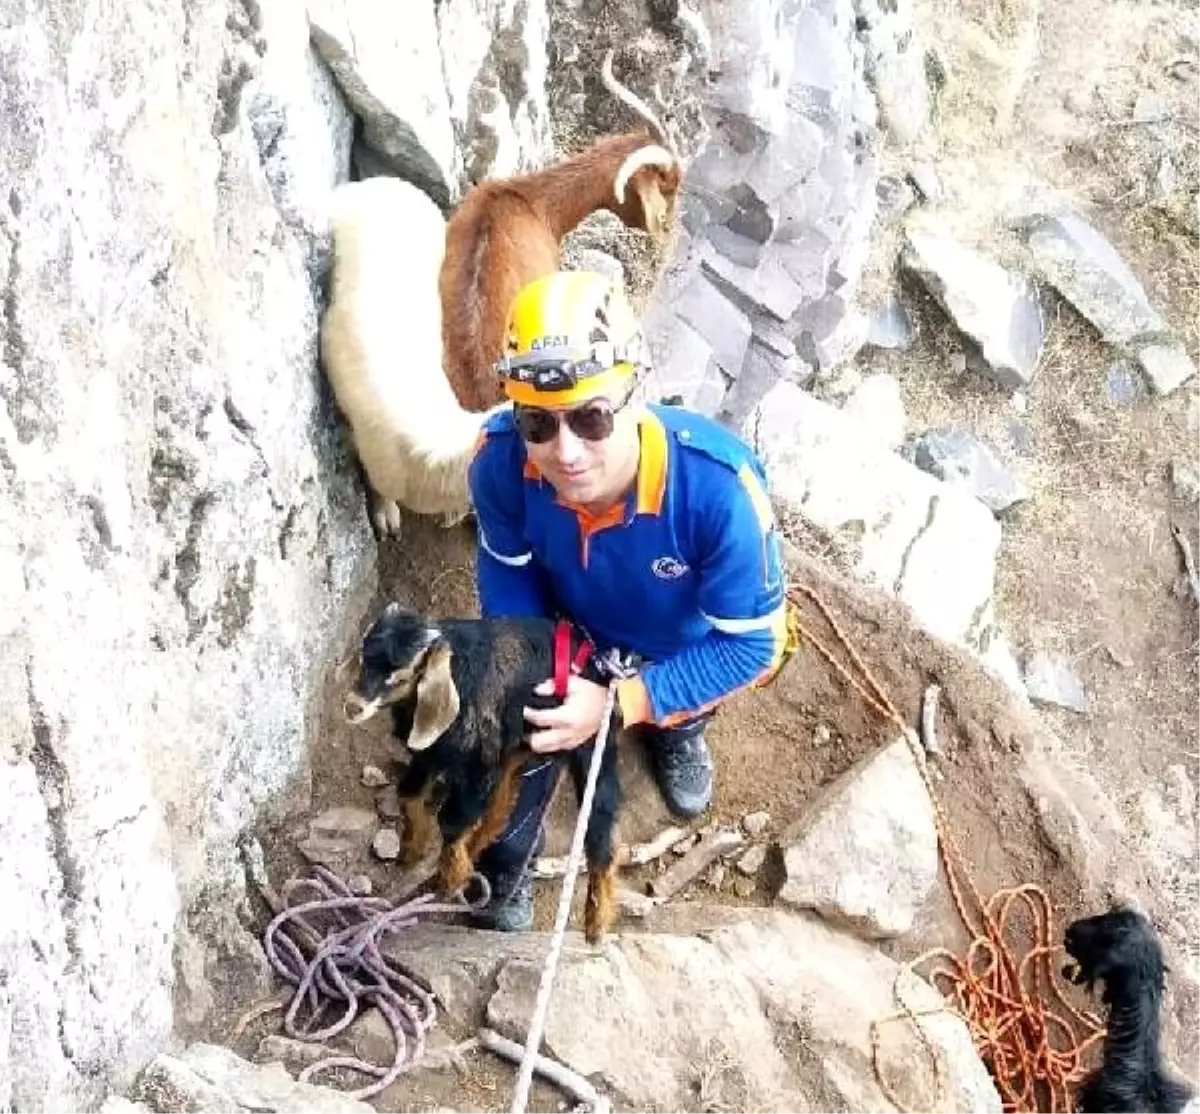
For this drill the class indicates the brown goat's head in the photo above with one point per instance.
(403, 658)
(646, 185)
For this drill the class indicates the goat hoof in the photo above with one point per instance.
(387, 518)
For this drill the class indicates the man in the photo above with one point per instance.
(648, 526)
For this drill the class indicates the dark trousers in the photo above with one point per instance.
(504, 860)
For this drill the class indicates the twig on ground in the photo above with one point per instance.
(554, 866)
(1189, 562)
(277, 1001)
(712, 847)
(929, 711)
(560, 1075)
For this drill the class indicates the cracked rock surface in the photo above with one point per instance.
(181, 527)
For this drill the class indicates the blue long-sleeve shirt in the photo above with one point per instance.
(686, 573)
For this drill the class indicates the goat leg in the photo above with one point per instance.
(499, 808)
(601, 907)
(458, 858)
(456, 863)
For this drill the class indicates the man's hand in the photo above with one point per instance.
(573, 722)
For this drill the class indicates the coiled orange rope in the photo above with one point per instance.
(1034, 1055)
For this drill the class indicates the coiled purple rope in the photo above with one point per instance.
(346, 931)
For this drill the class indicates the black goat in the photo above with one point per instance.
(1121, 949)
(458, 689)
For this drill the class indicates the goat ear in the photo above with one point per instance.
(654, 205)
(437, 699)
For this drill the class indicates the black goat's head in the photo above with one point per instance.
(1118, 945)
(405, 658)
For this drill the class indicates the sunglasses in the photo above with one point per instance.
(590, 422)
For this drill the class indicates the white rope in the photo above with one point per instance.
(542, 1004)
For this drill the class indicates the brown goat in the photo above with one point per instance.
(506, 233)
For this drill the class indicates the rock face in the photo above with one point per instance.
(181, 526)
(796, 1000)
(448, 94)
(778, 222)
(866, 857)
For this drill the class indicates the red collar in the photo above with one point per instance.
(564, 664)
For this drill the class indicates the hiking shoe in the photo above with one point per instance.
(684, 771)
(511, 906)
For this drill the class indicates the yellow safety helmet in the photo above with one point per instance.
(571, 336)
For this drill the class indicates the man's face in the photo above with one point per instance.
(582, 469)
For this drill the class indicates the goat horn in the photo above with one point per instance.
(629, 97)
(650, 155)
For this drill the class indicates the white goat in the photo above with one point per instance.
(381, 346)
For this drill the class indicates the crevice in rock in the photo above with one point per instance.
(240, 423)
(930, 515)
(55, 789)
(187, 562)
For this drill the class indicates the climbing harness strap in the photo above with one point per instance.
(564, 664)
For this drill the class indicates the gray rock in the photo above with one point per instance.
(771, 972)
(1150, 108)
(389, 67)
(1185, 481)
(761, 370)
(959, 457)
(353, 823)
(877, 404)
(765, 287)
(1166, 364)
(386, 844)
(207, 1078)
(1050, 680)
(495, 61)
(1087, 270)
(866, 856)
(996, 308)
(890, 325)
(387, 803)
(751, 862)
(895, 66)
(200, 531)
(685, 365)
(373, 777)
(926, 182)
(756, 823)
(721, 325)
(895, 195)
(924, 541)
(1122, 383)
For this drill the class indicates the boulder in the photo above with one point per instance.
(998, 309)
(866, 856)
(1089, 272)
(792, 1032)
(389, 67)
